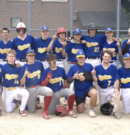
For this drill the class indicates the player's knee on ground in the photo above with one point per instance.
(31, 110)
(9, 109)
(80, 108)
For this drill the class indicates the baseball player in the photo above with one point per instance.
(5, 45)
(106, 75)
(93, 45)
(124, 73)
(1, 90)
(126, 44)
(81, 73)
(58, 45)
(113, 46)
(40, 46)
(55, 82)
(10, 74)
(30, 76)
(22, 43)
(72, 48)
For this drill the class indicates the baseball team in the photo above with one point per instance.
(32, 67)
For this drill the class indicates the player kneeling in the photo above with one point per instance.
(106, 75)
(30, 76)
(10, 75)
(53, 78)
(83, 83)
(124, 73)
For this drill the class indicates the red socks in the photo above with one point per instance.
(71, 102)
(47, 103)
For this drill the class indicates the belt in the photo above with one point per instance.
(105, 87)
(11, 88)
(93, 57)
(60, 59)
(22, 60)
(33, 86)
(73, 62)
(42, 60)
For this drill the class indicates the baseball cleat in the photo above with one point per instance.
(72, 114)
(116, 115)
(22, 113)
(45, 115)
(92, 114)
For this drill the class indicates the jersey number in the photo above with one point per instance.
(96, 49)
(109, 82)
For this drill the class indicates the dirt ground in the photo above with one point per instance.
(34, 124)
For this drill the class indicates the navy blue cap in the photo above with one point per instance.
(77, 31)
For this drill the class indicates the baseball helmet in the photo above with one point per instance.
(60, 30)
(106, 108)
(21, 25)
(61, 111)
(92, 26)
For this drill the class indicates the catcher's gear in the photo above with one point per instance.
(88, 76)
(106, 108)
(92, 26)
(61, 111)
(60, 30)
(21, 25)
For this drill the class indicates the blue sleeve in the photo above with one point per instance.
(44, 74)
(103, 39)
(83, 37)
(64, 75)
(1, 71)
(14, 46)
(32, 39)
(34, 44)
(123, 44)
(21, 74)
(68, 49)
(42, 68)
(117, 77)
(70, 73)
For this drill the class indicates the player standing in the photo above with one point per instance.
(40, 46)
(106, 75)
(93, 45)
(113, 46)
(30, 76)
(55, 82)
(57, 45)
(5, 45)
(9, 74)
(124, 73)
(81, 73)
(22, 43)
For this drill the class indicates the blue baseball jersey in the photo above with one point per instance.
(112, 47)
(71, 49)
(106, 77)
(56, 82)
(94, 44)
(21, 46)
(57, 49)
(80, 86)
(40, 48)
(4, 48)
(124, 77)
(9, 75)
(123, 45)
(0, 77)
(34, 78)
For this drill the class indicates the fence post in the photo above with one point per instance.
(71, 18)
(29, 17)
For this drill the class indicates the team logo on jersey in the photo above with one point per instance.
(12, 76)
(42, 50)
(104, 77)
(125, 80)
(74, 51)
(23, 47)
(55, 80)
(34, 74)
(2, 51)
(111, 49)
(58, 50)
(91, 44)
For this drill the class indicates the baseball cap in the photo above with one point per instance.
(127, 55)
(44, 28)
(108, 29)
(77, 31)
(30, 52)
(80, 53)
